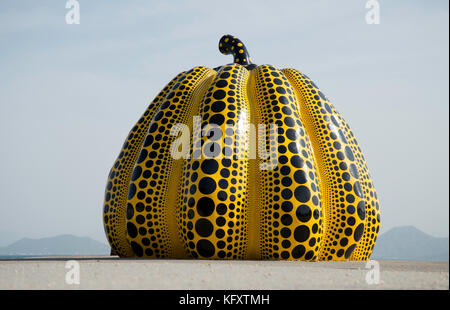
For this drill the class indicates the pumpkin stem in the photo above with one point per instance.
(229, 44)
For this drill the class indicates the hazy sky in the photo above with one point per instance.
(69, 94)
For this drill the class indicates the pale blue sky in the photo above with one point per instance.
(69, 94)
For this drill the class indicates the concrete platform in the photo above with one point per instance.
(115, 273)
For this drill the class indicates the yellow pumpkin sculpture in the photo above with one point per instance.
(314, 200)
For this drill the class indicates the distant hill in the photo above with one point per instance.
(58, 245)
(402, 243)
(410, 243)
(9, 236)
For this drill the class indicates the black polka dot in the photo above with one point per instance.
(309, 255)
(142, 156)
(137, 249)
(350, 198)
(350, 250)
(349, 153)
(281, 90)
(289, 121)
(285, 170)
(297, 162)
(298, 251)
(148, 252)
(286, 193)
(361, 210)
(285, 232)
(204, 227)
(225, 173)
(205, 248)
(220, 221)
(351, 221)
(129, 212)
(350, 209)
(205, 206)
(221, 209)
(302, 194)
(286, 219)
(131, 191)
(209, 166)
(286, 181)
(357, 189)
(286, 206)
(217, 119)
(221, 83)
(223, 183)
(136, 173)
(303, 213)
(346, 176)
(140, 219)
(132, 230)
(218, 106)
(348, 232)
(219, 94)
(300, 177)
(354, 171)
(207, 185)
(359, 232)
(301, 233)
(291, 134)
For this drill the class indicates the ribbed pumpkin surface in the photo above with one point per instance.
(314, 201)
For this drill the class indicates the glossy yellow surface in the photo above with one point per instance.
(314, 201)
(116, 192)
(343, 197)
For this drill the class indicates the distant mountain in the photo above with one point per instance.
(9, 236)
(402, 243)
(409, 243)
(58, 245)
